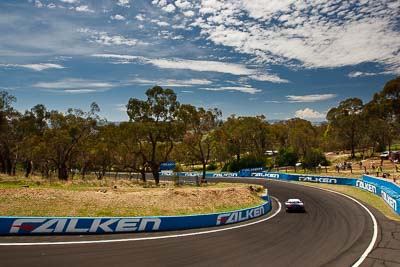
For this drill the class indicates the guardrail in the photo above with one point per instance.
(81, 225)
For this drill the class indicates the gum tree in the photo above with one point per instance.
(156, 120)
(200, 125)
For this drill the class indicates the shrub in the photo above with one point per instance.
(244, 163)
(313, 158)
(212, 167)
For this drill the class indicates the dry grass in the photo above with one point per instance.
(118, 198)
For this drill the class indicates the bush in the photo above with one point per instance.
(287, 157)
(244, 163)
(212, 167)
(313, 158)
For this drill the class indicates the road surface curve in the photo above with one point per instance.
(335, 231)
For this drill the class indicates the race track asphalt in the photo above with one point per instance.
(334, 231)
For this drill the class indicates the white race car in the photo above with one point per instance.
(294, 204)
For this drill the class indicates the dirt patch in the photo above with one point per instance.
(28, 201)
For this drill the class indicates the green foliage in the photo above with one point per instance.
(212, 167)
(287, 157)
(161, 129)
(244, 163)
(314, 158)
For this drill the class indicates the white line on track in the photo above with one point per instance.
(147, 238)
(375, 223)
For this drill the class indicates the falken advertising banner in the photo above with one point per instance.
(77, 225)
(387, 190)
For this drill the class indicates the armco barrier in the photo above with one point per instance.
(78, 225)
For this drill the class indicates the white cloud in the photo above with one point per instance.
(308, 113)
(140, 17)
(268, 78)
(77, 86)
(243, 89)
(272, 101)
(162, 23)
(105, 39)
(115, 56)
(189, 13)
(172, 83)
(310, 34)
(200, 65)
(38, 4)
(118, 17)
(36, 67)
(310, 98)
(183, 4)
(212, 66)
(79, 91)
(169, 8)
(70, 1)
(356, 74)
(121, 107)
(124, 3)
(84, 9)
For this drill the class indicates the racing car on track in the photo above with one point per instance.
(295, 205)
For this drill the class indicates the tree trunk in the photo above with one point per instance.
(203, 179)
(8, 166)
(28, 168)
(143, 175)
(63, 172)
(156, 175)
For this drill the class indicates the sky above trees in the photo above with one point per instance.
(279, 58)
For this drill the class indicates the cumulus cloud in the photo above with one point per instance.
(169, 8)
(309, 98)
(106, 39)
(36, 67)
(84, 9)
(124, 3)
(117, 17)
(308, 113)
(140, 17)
(162, 23)
(310, 34)
(183, 4)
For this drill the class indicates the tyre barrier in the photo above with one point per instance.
(84, 225)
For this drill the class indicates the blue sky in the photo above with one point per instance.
(280, 58)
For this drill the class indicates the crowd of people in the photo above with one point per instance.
(372, 167)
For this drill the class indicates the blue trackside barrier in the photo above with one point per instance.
(382, 182)
(387, 190)
(80, 225)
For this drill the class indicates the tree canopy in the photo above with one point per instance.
(162, 129)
